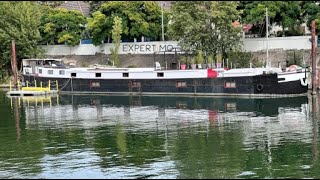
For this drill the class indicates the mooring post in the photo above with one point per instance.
(14, 63)
(313, 58)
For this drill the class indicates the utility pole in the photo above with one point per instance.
(313, 57)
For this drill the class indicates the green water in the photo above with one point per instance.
(73, 136)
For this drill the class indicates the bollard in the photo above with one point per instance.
(35, 83)
(49, 85)
(27, 83)
(57, 85)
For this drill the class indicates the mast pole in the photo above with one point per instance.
(267, 34)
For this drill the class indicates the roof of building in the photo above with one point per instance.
(81, 6)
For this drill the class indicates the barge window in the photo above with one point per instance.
(50, 71)
(229, 84)
(181, 84)
(160, 74)
(61, 72)
(40, 71)
(125, 74)
(95, 84)
(73, 74)
(98, 74)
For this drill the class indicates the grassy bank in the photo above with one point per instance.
(5, 81)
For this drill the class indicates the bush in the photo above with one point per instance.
(240, 59)
(132, 66)
(294, 58)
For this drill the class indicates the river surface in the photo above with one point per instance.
(100, 136)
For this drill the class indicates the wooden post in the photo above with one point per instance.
(313, 57)
(14, 63)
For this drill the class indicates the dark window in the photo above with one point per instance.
(61, 72)
(40, 71)
(50, 71)
(73, 74)
(98, 74)
(160, 74)
(125, 75)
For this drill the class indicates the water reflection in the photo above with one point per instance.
(76, 136)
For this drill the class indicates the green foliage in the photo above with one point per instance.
(62, 26)
(19, 21)
(205, 25)
(240, 59)
(183, 59)
(95, 5)
(288, 14)
(52, 4)
(193, 60)
(200, 58)
(139, 18)
(294, 58)
(116, 37)
(311, 11)
(132, 66)
(210, 59)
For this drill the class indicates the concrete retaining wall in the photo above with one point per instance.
(158, 47)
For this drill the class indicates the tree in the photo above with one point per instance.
(52, 4)
(284, 13)
(139, 18)
(311, 11)
(116, 37)
(19, 21)
(205, 25)
(62, 26)
(94, 6)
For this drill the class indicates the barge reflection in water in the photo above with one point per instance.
(166, 137)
